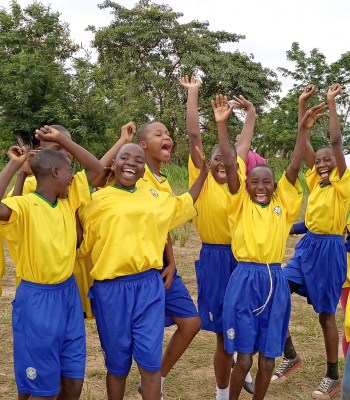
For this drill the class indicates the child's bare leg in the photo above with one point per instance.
(70, 389)
(331, 339)
(187, 329)
(150, 384)
(23, 396)
(222, 363)
(263, 377)
(115, 386)
(238, 373)
(28, 396)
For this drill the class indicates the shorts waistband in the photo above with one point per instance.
(48, 286)
(247, 264)
(215, 246)
(321, 236)
(134, 277)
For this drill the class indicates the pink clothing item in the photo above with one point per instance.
(343, 300)
(253, 159)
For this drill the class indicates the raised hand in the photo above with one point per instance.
(17, 154)
(26, 165)
(307, 93)
(47, 134)
(127, 132)
(333, 91)
(313, 114)
(222, 109)
(242, 103)
(192, 83)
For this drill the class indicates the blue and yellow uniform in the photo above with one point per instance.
(48, 324)
(125, 234)
(81, 266)
(178, 301)
(216, 261)
(257, 300)
(318, 267)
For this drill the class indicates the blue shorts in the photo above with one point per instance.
(129, 313)
(256, 310)
(178, 302)
(213, 270)
(319, 266)
(48, 336)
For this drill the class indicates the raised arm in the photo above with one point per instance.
(127, 133)
(334, 129)
(222, 112)
(196, 188)
(17, 156)
(94, 169)
(302, 105)
(23, 173)
(245, 139)
(192, 118)
(306, 123)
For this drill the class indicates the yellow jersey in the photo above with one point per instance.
(259, 233)
(159, 183)
(2, 264)
(327, 206)
(126, 231)
(212, 220)
(42, 236)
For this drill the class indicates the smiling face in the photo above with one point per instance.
(261, 184)
(157, 142)
(129, 165)
(324, 163)
(217, 167)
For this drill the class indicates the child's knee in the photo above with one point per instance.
(326, 320)
(267, 364)
(189, 326)
(72, 387)
(244, 362)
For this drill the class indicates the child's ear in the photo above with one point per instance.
(275, 186)
(237, 166)
(54, 171)
(143, 144)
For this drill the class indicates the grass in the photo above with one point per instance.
(193, 377)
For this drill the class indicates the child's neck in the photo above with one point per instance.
(48, 194)
(154, 165)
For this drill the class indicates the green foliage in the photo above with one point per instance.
(34, 47)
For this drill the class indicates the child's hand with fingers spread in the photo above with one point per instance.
(242, 103)
(313, 114)
(192, 83)
(222, 109)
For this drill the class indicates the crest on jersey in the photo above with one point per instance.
(231, 333)
(31, 373)
(277, 210)
(211, 316)
(154, 192)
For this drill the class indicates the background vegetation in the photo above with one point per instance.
(141, 55)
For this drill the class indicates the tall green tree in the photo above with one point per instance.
(145, 50)
(35, 47)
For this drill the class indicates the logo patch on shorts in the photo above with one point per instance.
(154, 192)
(31, 373)
(211, 316)
(231, 333)
(277, 210)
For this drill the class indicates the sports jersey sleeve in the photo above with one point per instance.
(28, 187)
(8, 229)
(235, 201)
(312, 178)
(2, 264)
(193, 172)
(291, 196)
(79, 191)
(341, 185)
(184, 210)
(242, 168)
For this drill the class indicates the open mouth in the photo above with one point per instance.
(260, 197)
(166, 150)
(324, 173)
(221, 173)
(129, 172)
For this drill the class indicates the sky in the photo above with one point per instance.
(270, 26)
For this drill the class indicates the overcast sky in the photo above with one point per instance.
(270, 26)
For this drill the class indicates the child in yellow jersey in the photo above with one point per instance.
(128, 293)
(47, 319)
(26, 183)
(318, 268)
(257, 300)
(216, 261)
(155, 139)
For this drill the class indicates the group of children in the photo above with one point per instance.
(130, 275)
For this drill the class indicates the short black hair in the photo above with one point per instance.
(217, 146)
(264, 166)
(127, 144)
(45, 160)
(141, 131)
